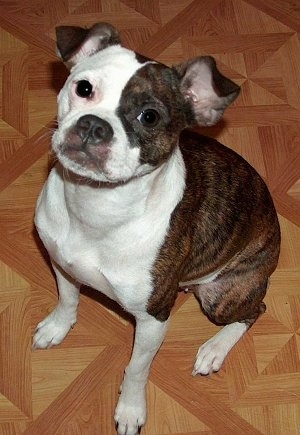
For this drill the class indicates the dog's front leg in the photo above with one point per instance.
(53, 329)
(131, 411)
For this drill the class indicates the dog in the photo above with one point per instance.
(140, 206)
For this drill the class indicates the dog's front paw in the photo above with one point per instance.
(130, 417)
(52, 330)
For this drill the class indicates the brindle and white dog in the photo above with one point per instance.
(136, 207)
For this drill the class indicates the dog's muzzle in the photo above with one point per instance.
(88, 142)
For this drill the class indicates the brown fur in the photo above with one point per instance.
(154, 86)
(226, 217)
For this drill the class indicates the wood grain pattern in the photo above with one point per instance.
(72, 389)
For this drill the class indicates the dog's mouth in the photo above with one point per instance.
(86, 157)
(85, 154)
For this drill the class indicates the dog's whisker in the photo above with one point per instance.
(46, 135)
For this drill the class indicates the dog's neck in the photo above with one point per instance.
(121, 202)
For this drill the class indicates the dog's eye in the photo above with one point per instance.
(84, 89)
(149, 118)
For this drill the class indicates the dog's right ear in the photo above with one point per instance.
(76, 43)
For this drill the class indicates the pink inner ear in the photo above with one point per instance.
(202, 94)
(207, 89)
(89, 47)
(201, 89)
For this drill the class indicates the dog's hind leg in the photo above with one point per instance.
(130, 413)
(236, 307)
(53, 329)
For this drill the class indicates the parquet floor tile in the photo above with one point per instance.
(72, 389)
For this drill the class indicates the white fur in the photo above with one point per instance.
(211, 354)
(131, 409)
(53, 329)
(108, 238)
(203, 280)
(108, 72)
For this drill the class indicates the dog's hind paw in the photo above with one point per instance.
(52, 330)
(209, 359)
(211, 354)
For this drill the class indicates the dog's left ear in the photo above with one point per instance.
(208, 91)
(76, 43)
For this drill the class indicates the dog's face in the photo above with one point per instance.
(120, 115)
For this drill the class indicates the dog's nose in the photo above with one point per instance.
(94, 130)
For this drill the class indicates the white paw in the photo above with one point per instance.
(210, 357)
(130, 417)
(52, 330)
(211, 354)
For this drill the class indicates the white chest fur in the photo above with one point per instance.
(108, 238)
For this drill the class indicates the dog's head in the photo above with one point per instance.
(120, 114)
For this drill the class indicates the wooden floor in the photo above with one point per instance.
(72, 389)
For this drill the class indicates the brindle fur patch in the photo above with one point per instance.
(154, 86)
(226, 217)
